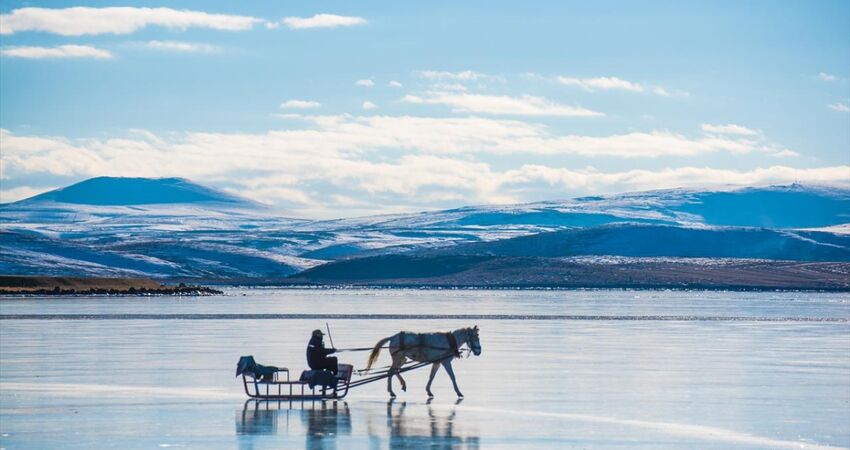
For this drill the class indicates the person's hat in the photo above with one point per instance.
(318, 333)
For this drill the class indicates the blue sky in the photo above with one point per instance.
(329, 109)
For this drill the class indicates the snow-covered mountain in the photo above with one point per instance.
(174, 228)
(111, 191)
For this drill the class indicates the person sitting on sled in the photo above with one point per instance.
(317, 354)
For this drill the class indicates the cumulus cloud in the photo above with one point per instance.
(840, 107)
(369, 105)
(361, 135)
(62, 51)
(179, 46)
(823, 76)
(322, 21)
(364, 83)
(525, 105)
(729, 129)
(300, 104)
(335, 159)
(81, 20)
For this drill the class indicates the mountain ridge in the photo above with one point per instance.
(213, 235)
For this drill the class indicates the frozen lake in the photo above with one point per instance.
(593, 369)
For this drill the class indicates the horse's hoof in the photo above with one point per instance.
(459, 395)
(404, 388)
(392, 395)
(430, 395)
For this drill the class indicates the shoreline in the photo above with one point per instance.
(533, 288)
(128, 287)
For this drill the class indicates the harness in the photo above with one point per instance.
(453, 346)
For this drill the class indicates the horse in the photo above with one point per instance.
(424, 347)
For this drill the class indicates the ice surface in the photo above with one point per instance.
(542, 383)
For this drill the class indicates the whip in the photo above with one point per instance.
(331, 338)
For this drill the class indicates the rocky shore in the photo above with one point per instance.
(36, 285)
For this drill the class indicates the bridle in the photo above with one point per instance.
(472, 336)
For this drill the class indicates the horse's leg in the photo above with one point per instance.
(447, 364)
(390, 383)
(398, 360)
(390, 379)
(434, 368)
(400, 363)
(403, 384)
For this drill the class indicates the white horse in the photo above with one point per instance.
(439, 348)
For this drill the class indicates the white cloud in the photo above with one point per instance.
(62, 51)
(179, 46)
(840, 107)
(594, 180)
(271, 192)
(525, 105)
(345, 134)
(593, 84)
(827, 77)
(785, 154)
(449, 87)
(364, 83)
(322, 21)
(20, 193)
(300, 104)
(81, 20)
(614, 83)
(395, 84)
(434, 161)
(665, 92)
(466, 75)
(729, 129)
(369, 105)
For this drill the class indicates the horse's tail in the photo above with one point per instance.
(376, 351)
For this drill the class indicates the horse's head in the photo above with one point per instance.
(472, 340)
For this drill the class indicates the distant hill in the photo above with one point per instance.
(670, 241)
(579, 272)
(116, 191)
(643, 255)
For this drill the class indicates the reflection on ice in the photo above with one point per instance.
(324, 424)
(322, 420)
(438, 432)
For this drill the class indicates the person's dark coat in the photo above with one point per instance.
(317, 355)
